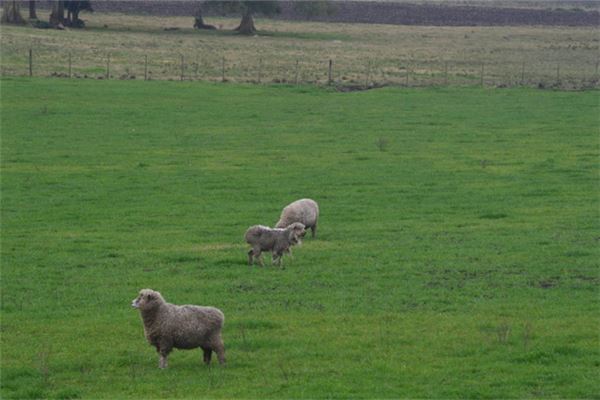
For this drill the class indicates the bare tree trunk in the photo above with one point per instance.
(199, 21)
(57, 16)
(12, 13)
(32, 13)
(247, 27)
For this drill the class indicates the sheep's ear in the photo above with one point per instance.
(150, 296)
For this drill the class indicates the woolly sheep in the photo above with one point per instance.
(305, 211)
(168, 326)
(278, 241)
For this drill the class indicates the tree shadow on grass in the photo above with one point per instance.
(177, 31)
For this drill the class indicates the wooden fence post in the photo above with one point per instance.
(446, 73)
(523, 73)
(146, 67)
(329, 72)
(223, 69)
(69, 65)
(557, 73)
(108, 66)
(30, 62)
(482, 71)
(182, 66)
(368, 73)
(259, 69)
(296, 77)
(407, 73)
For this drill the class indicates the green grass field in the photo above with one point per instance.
(457, 253)
(285, 51)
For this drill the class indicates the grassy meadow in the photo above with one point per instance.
(284, 51)
(457, 252)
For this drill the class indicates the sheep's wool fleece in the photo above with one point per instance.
(188, 326)
(305, 211)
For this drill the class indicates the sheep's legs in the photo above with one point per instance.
(313, 230)
(163, 349)
(277, 259)
(207, 354)
(219, 348)
(258, 256)
(255, 254)
(162, 363)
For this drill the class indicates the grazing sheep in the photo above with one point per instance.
(305, 211)
(278, 241)
(168, 326)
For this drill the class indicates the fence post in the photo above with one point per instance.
(368, 73)
(146, 67)
(259, 69)
(523, 73)
(296, 77)
(446, 73)
(108, 66)
(196, 67)
(69, 65)
(182, 64)
(407, 72)
(482, 71)
(30, 62)
(557, 73)
(223, 69)
(329, 76)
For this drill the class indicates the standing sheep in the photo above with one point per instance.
(305, 211)
(168, 326)
(278, 241)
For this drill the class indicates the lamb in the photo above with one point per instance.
(305, 211)
(278, 241)
(168, 326)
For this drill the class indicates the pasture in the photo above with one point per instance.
(457, 254)
(284, 51)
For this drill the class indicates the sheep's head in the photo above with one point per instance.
(296, 232)
(147, 299)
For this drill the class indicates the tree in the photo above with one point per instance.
(32, 14)
(249, 8)
(199, 21)
(57, 15)
(12, 13)
(73, 10)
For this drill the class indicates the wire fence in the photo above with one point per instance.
(339, 73)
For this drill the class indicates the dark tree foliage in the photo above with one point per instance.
(315, 8)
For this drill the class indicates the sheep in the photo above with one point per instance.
(278, 241)
(305, 211)
(168, 326)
